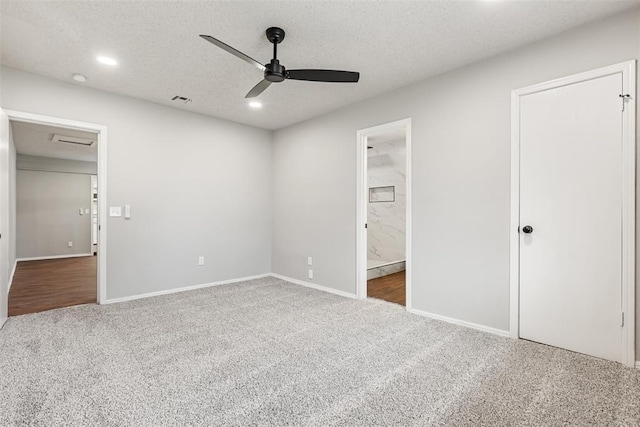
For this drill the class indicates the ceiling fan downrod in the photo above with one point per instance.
(274, 72)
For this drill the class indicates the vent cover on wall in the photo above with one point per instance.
(72, 140)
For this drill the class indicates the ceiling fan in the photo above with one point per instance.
(276, 73)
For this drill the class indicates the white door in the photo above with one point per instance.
(571, 197)
(4, 215)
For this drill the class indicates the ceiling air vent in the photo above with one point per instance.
(182, 99)
(72, 140)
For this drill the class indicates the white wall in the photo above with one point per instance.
(48, 214)
(196, 185)
(461, 174)
(386, 220)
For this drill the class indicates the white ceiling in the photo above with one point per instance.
(160, 55)
(35, 140)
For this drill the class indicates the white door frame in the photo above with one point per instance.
(628, 188)
(101, 130)
(361, 204)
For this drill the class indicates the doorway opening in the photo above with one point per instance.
(384, 200)
(60, 215)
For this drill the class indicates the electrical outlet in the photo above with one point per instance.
(201, 260)
(310, 274)
(309, 260)
(70, 244)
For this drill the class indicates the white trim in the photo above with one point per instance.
(361, 206)
(101, 130)
(184, 289)
(408, 231)
(628, 71)
(386, 263)
(13, 272)
(313, 286)
(637, 364)
(514, 221)
(629, 213)
(41, 258)
(361, 215)
(464, 323)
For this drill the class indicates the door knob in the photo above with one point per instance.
(527, 229)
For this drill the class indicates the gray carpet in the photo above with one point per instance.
(267, 352)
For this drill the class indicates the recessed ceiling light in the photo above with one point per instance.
(79, 78)
(255, 104)
(106, 60)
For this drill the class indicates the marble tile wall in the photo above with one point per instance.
(387, 220)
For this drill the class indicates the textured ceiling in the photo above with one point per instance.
(35, 140)
(160, 54)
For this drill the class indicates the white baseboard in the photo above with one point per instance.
(184, 289)
(471, 325)
(13, 272)
(40, 258)
(314, 286)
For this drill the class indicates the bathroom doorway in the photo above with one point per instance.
(384, 208)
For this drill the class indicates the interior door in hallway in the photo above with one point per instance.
(570, 217)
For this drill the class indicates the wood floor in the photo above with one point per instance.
(389, 288)
(55, 283)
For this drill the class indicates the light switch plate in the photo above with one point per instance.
(309, 260)
(115, 211)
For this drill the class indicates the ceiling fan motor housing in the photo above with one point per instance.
(274, 71)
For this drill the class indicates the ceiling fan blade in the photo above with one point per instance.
(234, 52)
(334, 76)
(258, 89)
